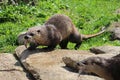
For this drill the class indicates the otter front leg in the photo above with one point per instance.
(77, 45)
(76, 38)
(52, 47)
(32, 46)
(71, 63)
(63, 44)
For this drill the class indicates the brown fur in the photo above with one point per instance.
(105, 68)
(109, 69)
(59, 29)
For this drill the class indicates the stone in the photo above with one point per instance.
(117, 11)
(10, 69)
(115, 34)
(114, 29)
(48, 65)
(89, 77)
(106, 49)
(20, 38)
(113, 26)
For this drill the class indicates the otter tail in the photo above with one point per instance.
(84, 37)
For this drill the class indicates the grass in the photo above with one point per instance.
(88, 16)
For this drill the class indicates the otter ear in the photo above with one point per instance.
(20, 38)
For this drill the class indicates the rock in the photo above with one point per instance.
(10, 69)
(114, 29)
(106, 49)
(20, 38)
(117, 11)
(115, 34)
(113, 26)
(48, 65)
(89, 77)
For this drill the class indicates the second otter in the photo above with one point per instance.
(109, 69)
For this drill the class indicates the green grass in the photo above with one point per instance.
(87, 15)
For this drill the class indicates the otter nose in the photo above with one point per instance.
(26, 37)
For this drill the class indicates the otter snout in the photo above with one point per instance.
(26, 37)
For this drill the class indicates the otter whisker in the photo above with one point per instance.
(25, 43)
(79, 73)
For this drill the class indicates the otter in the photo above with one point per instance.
(59, 29)
(109, 69)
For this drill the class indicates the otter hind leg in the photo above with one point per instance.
(63, 44)
(76, 38)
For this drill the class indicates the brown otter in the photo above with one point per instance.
(59, 29)
(109, 69)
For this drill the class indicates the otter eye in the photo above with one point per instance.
(31, 34)
(38, 31)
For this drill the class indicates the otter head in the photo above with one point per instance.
(36, 35)
(92, 65)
